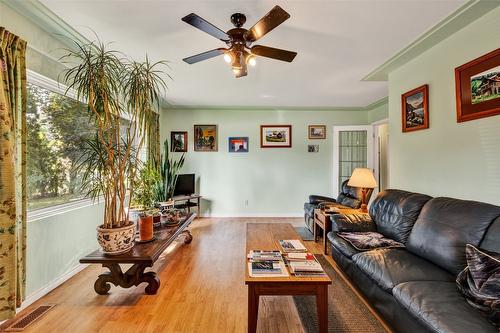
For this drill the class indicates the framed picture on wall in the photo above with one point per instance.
(477, 85)
(238, 144)
(178, 141)
(415, 109)
(313, 148)
(317, 132)
(275, 136)
(205, 137)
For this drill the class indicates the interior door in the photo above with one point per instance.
(352, 148)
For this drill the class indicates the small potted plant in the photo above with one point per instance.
(144, 197)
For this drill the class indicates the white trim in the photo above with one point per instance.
(380, 122)
(49, 84)
(51, 286)
(42, 213)
(238, 215)
(335, 138)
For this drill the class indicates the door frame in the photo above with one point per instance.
(335, 144)
(376, 153)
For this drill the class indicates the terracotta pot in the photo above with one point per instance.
(146, 228)
(116, 240)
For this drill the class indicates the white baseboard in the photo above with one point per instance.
(51, 286)
(253, 215)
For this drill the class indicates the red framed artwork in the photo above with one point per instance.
(477, 85)
(275, 136)
(415, 109)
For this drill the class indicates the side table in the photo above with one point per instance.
(322, 220)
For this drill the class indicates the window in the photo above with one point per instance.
(57, 126)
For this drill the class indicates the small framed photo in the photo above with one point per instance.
(179, 141)
(317, 132)
(238, 144)
(205, 138)
(313, 148)
(415, 109)
(477, 85)
(276, 136)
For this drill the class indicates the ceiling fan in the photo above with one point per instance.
(239, 51)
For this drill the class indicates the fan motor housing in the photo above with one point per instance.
(238, 19)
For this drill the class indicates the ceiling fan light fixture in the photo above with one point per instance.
(228, 57)
(251, 60)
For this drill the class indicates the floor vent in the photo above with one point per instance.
(20, 324)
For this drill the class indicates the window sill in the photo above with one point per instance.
(42, 213)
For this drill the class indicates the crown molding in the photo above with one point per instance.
(463, 16)
(369, 107)
(38, 13)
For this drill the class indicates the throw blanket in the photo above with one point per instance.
(479, 282)
(364, 241)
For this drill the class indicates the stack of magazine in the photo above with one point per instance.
(304, 264)
(266, 264)
(292, 245)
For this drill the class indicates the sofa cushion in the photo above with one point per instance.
(389, 267)
(348, 201)
(309, 209)
(491, 240)
(352, 222)
(441, 307)
(395, 211)
(445, 226)
(342, 245)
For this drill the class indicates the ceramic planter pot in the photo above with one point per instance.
(145, 228)
(116, 240)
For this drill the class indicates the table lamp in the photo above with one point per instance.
(364, 179)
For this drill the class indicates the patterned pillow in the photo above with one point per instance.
(365, 241)
(480, 282)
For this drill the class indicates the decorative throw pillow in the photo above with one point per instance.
(479, 282)
(365, 241)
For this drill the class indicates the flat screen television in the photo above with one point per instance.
(185, 184)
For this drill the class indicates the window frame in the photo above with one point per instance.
(58, 88)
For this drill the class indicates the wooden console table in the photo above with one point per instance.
(266, 236)
(142, 256)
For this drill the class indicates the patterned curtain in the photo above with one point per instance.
(12, 173)
(153, 137)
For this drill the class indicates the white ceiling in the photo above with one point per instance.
(338, 43)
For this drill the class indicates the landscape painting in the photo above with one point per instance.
(317, 132)
(205, 138)
(415, 109)
(477, 85)
(276, 136)
(238, 144)
(178, 141)
(485, 86)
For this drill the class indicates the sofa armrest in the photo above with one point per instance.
(316, 199)
(352, 223)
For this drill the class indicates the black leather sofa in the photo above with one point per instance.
(349, 197)
(413, 288)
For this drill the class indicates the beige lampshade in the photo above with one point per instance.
(362, 177)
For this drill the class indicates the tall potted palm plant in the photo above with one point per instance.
(121, 95)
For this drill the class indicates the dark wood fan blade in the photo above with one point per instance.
(270, 52)
(204, 56)
(205, 26)
(271, 20)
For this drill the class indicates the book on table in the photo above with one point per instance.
(292, 245)
(266, 264)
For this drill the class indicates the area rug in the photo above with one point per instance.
(304, 233)
(346, 312)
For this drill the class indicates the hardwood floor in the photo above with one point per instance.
(202, 290)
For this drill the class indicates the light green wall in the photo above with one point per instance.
(451, 159)
(275, 181)
(54, 244)
(379, 112)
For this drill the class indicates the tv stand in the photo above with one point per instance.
(184, 202)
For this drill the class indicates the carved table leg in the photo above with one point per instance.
(188, 237)
(132, 277)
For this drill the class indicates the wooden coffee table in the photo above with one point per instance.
(142, 255)
(266, 236)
